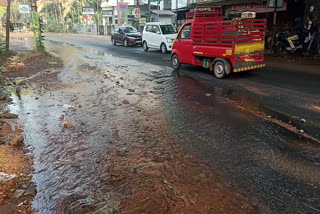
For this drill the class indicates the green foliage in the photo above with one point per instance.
(4, 53)
(3, 10)
(54, 25)
(76, 11)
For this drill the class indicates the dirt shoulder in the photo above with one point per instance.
(16, 187)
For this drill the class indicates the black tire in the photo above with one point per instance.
(163, 48)
(219, 70)
(125, 43)
(113, 42)
(145, 46)
(277, 50)
(175, 62)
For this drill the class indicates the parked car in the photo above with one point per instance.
(158, 35)
(126, 35)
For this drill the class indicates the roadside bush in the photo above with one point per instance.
(2, 48)
(4, 54)
(70, 28)
(54, 26)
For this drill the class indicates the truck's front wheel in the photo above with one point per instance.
(219, 69)
(175, 62)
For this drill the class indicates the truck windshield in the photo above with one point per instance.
(129, 29)
(168, 29)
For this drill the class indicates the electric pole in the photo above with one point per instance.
(8, 26)
(177, 13)
(148, 10)
(158, 5)
(274, 29)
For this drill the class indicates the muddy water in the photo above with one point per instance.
(102, 96)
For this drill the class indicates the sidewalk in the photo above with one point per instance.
(294, 63)
(100, 37)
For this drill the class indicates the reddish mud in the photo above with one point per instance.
(164, 178)
(17, 193)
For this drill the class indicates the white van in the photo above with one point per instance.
(158, 35)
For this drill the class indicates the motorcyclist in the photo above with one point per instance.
(298, 33)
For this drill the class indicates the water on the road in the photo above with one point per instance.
(104, 96)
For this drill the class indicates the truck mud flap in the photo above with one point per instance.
(245, 66)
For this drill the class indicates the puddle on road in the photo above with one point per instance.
(104, 98)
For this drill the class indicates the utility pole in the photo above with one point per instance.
(148, 10)
(275, 16)
(158, 5)
(177, 13)
(274, 29)
(8, 26)
(118, 13)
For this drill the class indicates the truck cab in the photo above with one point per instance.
(222, 46)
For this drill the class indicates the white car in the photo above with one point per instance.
(158, 35)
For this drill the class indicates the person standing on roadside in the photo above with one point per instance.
(309, 28)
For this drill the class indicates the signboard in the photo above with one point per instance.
(123, 13)
(137, 13)
(113, 3)
(110, 3)
(131, 10)
(3, 3)
(255, 7)
(143, 20)
(24, 8)
(248, 14)
(87, 10)
(107, 13)
(271, 3)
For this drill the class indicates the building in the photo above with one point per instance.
(289, 10)
(166, 16)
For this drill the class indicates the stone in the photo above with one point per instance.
(18, 193)
(269, 116)
(61, 117)
(2, 95)
(8, 116)
(133, 170)
(68, 125)
(4, 177)
(17, 141)
(126, 102)
(303, 120)
(301, 131)
(131, 90)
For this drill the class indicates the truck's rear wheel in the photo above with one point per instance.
(219, 69)
(175, 62)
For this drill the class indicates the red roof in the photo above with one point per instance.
(3, 3)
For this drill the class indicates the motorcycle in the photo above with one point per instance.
(306, 45)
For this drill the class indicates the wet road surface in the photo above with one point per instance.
(289, 90)
(109, 100)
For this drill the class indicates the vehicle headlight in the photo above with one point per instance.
(129, 37)
(169, 40)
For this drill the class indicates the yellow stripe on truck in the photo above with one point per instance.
(249, 68)
(248, 48)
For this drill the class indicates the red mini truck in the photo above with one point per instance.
(222, 46)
